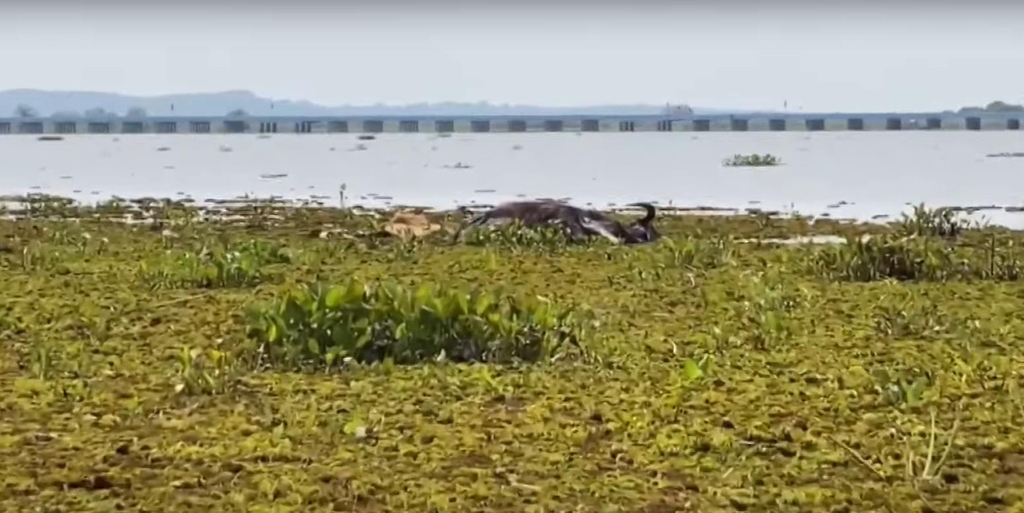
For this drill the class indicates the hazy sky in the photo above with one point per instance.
(865, 56)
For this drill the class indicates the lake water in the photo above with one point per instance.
(873, 172)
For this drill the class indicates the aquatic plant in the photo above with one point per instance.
(700, 253)
(203, 372)
(764, 308)
(721, 361)
(938, 222)
(887, 257)
(900, 313)
(899, 390)
(322, 325)
(515, 236)
(890, 256)
(752, 160)
(217, 267)
(999, 259)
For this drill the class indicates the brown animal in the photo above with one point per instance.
(579, 222)
(407, 225)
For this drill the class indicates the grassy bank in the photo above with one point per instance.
(298, 360)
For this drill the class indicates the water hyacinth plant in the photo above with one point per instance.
(729, 358)
(224, 266)
(928, 258)
(886, 257)
(752, 160)
(515, 236)
(321, 325)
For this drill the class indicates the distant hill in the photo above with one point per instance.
(46, 103)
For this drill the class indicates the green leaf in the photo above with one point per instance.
(335, 297)
(423, 293)
(353, 425)
(462, 302)
(483, 302)
(363, 339)
(355, 292)
(691, 370)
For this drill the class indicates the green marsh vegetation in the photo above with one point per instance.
(259, 358)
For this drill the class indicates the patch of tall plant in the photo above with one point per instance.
(227, 266)
(998, 260)
(887, 256)
(937, 222)
(320, 325)
(891, 257)
(763, 307)
(699, 254)
(203, 373)
(901, 313)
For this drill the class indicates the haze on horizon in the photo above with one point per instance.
(910, 56)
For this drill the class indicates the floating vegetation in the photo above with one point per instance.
(320, 325)
(222, 267)
(927, 258)
(272, 176)
(752, 160)
(513, 235)
(163, 355)
(1014, 154)
(886, 257)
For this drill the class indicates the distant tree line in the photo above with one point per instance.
(98, 113)
(996, 106)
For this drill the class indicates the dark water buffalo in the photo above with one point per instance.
(580, 222)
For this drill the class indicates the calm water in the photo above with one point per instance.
(874, 172)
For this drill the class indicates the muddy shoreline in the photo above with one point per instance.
(139, 210)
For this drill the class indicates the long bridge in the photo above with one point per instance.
(773, 122)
